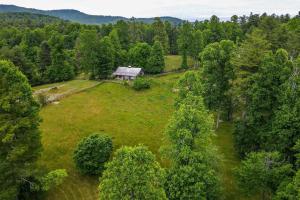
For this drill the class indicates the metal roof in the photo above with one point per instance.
(127, 71)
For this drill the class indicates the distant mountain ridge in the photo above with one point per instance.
(80, 17)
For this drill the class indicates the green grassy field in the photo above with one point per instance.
(173, 62)
(128, 116)
(230, 160)
(74, 85)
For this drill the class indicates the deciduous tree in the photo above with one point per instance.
(217, 75)
(262, 173)
(92, 153)
(132, 174)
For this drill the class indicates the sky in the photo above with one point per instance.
(185, 9)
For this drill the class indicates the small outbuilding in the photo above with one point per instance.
(128, 73)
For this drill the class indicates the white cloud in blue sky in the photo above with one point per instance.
(186, 9)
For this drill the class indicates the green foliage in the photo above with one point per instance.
(197, 44)
(172, 32)
(18, 57)
(193, 181)
(184, 41)
(97, 56)
(189, 83)
(193, 173)
(119, 54)
(44, 60)
(216, 29)
(286, 122)
(139, 55)
(87, 50)
(262, 173)
(52, 179)
(156, 61)
(160, 34)
(23, 39)
(253, 132)
(42, 99)
(25, 19)
(141, 84)
(247, 60)
(184, 64)
(20, 144)
(217, 75)
(132, 174)
(60, 69)
(250, 53)
(289, 190)
(106, 59)
(92, 153)
(192, 116)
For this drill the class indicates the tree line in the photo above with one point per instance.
(255, 84)
(48, 50)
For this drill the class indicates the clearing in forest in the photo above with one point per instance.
(130, 117)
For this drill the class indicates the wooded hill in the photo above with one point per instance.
(77, 16)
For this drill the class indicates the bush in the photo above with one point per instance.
(91, 154)
(42, 99)
(141, 84)
(125, 83)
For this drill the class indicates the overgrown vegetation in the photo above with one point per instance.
(141, 84)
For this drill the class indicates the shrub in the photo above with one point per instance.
(91, 154)
(125, 83)
(141, 84)
(42, 99)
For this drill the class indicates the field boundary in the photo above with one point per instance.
(57, 97)
(50, 98)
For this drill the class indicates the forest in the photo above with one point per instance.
(245, 71)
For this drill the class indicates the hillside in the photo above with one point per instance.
(26, 20)
(80, 17)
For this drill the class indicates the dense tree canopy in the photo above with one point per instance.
(20, 144)
(217, 75)
(262, 100)
(193, 173)
(156, 61)
(132, 174)
(262, 173)
(24, 38)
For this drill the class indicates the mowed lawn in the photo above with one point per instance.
(230, 160)
(224, 141)
(128, 116)
(173, 62)
(74, 85)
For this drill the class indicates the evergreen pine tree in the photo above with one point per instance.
(106, 59)
(20, 143)
(156, 62)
